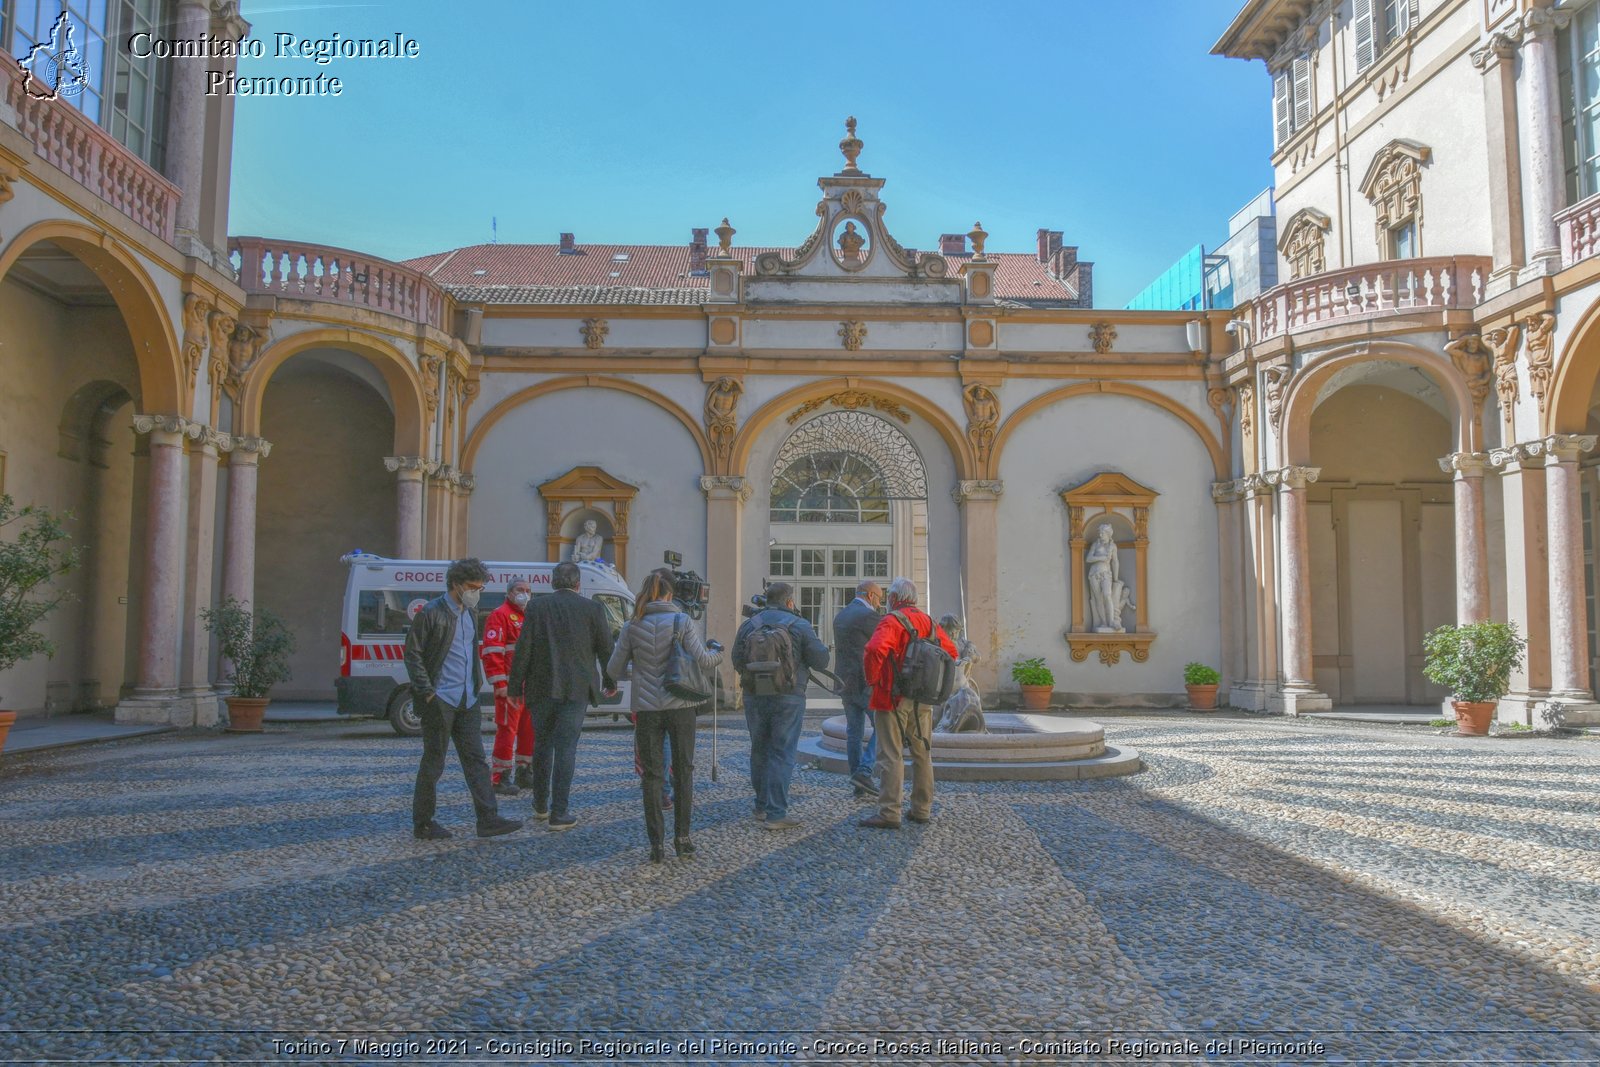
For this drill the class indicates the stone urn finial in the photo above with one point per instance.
(977, 236)
(851, 147)
(725, 234)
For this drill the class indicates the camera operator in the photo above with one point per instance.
(772, 651)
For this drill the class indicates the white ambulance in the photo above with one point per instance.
(382, 595)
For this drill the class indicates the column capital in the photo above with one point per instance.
(1466, 464)
(409, 463)
(977, 489)
(258, 447)
(1527, 455)
(1567, 447)
(1496, 50)
(714, 485)
(1291, 477)
(209, 439)
(225, 15)
(1227, 492)
(1544, 20)
(163, 429)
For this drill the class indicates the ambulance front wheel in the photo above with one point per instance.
(403, 714)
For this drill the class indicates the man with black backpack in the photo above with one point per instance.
(910, 664)
(772, 652)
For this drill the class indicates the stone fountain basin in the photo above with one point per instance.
(1017, 747)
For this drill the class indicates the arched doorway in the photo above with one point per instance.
(323, 492)
(849, 501)
(1381, 527)
(73, 381)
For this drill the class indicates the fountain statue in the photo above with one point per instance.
(963, 712)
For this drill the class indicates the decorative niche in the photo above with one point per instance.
(1110, 589)
(587, 493)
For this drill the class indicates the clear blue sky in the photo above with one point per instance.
(633, 122)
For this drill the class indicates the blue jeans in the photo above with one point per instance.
(857, 719)
(774, 723)
(556, 726)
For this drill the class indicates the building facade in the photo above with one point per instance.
(1296, 489)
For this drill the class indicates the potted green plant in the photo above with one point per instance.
(1474, 662)
(257, 647)
(1036, 681)
(1201, 682)
(29, 561)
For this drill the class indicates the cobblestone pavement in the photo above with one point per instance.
(1394, 896)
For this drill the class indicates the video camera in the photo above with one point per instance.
(688, 588)
(758, 603)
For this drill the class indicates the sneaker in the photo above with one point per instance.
(542, 814)
(761, 816)
(878, 822)
(666, 803)
(862, 794)
(562, 822)
(497, 826)
(923, 819)
(864, 783)
(431, 832)
(505, 787)
(785, 823)
(524, 778)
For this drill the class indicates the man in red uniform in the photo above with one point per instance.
(513, 728)
(900, 722)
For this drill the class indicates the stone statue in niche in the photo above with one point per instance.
(1109, 595)
(850, 243)
(586, 547)
(963, 712)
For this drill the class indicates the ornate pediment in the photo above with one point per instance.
(1110, 489)
(586, 483)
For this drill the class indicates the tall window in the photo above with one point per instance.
(1394, 186)
(1291, 98)
(1379, 23)
(1579, 59)
(124, 94)
(830, 487)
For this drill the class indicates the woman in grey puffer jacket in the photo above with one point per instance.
(646, 643)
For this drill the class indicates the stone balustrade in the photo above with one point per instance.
(66, 138)
(320, 272)
(1579, 226)
(1370, 291)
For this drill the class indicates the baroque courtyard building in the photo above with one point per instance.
(1297, 490)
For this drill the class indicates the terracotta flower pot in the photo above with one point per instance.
(1202, 697)
(1473, 717)
(1036, 697)
(6, 719)
(244, 714)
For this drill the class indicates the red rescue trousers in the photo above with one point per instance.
(513, 732)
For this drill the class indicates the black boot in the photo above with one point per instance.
(524, 778)
(684, 847)
(504, 786)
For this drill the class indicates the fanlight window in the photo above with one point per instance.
(830, 487)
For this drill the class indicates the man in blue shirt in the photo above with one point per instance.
(446, 677)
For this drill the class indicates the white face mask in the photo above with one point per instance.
(469, 598)
(520, 599)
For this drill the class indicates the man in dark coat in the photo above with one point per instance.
(852, 629)
(446, 678)
(557, 668)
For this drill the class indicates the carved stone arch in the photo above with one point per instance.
(1302, 244)
(1393, 185)
(1577, 368)
(81, 432)
(874, 440)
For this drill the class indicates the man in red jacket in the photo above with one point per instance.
(513, 729)
(900, 722)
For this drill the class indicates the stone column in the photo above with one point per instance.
(436, 513)
(463, 486)
(205, 446)
(1569, 632)
(239, 546)
(155, 697)
(408, 503)
(1230, 600)
(1496, 60)
(186, 127)
(725, 501)
(1299, 693)
(1541, 106)
(1472, 557)
(1522, 489)
(979, 502)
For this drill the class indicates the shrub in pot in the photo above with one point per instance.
(1201, 682)
(1036, 681)
(30, 560)
(1474, 662)
(257, 646)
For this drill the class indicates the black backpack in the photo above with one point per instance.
(927, 673)
(769, 660)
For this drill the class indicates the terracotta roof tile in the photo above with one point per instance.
(541, 274)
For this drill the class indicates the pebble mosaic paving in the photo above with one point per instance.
(1265, 892)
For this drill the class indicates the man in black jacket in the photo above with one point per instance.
(565, 638)
(446, 678)
(852, 629)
